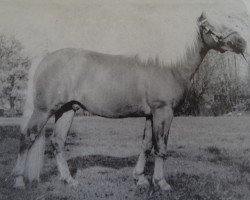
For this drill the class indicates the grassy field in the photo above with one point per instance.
(209, 158)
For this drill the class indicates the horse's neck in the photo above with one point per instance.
(193, 58)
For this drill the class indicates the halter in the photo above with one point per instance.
(218, 37)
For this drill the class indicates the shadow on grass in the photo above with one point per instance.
(107, 161)
(84, 162)
(218, 155)
(213, 150)
(221, 157)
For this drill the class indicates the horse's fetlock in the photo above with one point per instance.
(147, 152)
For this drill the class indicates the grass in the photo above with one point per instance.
(214, 150)
(244, 166)
(208, 158)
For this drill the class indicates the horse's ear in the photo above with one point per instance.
(202, 18)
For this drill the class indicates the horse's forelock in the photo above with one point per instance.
(221, 22)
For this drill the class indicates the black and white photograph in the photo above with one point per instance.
(124, 99)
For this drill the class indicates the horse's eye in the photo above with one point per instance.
(240, 40)
(220, 37)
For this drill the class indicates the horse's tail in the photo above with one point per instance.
(34, 160)
(29, 102)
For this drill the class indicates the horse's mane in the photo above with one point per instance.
(182, 55)
(156, 61)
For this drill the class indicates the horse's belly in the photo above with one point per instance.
(116, 104)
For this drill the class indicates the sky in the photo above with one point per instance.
(144, 27)
(247, 3)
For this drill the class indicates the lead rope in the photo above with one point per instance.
(217, 40)
(191, 79)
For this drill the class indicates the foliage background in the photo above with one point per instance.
(14, 67)
(219, 87)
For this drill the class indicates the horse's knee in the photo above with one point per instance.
(147, 143)
(26, 141)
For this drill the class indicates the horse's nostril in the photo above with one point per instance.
(230, 43)
(241, 43)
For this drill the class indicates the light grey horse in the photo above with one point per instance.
(113, 86)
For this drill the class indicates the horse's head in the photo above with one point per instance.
(220, 38)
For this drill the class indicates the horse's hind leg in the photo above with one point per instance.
(30, 154)
(162, 119)
(138, 172)
(63, 122)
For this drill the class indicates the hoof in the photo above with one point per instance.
(19, 183)
(142, 180)
(72, 182)
(162, 184)
(135, 175)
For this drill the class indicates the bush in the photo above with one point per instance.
(217, 87)
(14, 67)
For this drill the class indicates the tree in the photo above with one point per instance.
(14, 67)
(217, 87)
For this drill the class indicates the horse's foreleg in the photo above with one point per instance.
(62, 126)
(138, 172)
(30, 156)
(162, 119)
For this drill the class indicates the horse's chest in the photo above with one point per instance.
(165, 92)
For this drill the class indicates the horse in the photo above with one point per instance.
(114, 86)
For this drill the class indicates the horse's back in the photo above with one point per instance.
(86, 76)
(59, 59)
(69, 58)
